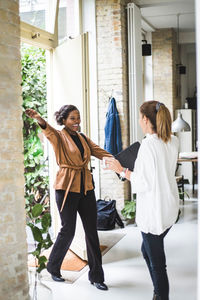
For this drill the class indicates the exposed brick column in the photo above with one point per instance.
(13, 249)
(112, 63)
(165, 71)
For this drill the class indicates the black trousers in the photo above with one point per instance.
(154, 255)
(85, 205)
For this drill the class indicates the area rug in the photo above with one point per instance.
(73, 266)
(71, 262)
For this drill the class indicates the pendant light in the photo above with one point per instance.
(180, 125)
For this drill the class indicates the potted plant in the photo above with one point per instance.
(129, 209)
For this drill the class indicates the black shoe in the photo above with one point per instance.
(156, 297)
(100, 285)
(57, 278)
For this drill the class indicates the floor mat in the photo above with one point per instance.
(71, 262)
(73, 266)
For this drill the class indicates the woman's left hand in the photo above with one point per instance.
(112, 164)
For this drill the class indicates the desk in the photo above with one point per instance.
(193, 161)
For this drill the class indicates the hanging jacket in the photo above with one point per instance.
(113, 141)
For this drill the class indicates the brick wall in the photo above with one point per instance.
(112, 76)
(13, 249)
(165, 71)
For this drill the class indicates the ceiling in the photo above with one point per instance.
(163, 14)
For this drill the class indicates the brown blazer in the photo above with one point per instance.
(68, 158)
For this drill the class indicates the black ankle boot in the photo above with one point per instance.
(156, 297)
(56, 276)
(100, 285)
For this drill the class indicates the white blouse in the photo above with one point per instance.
(154, 182)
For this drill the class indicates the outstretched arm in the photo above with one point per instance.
(50, 132)
(31, 113)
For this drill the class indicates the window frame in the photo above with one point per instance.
(42, 38)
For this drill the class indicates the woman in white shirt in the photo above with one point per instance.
(153, 180)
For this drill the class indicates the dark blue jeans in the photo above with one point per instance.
(154, 255)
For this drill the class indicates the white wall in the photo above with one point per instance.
(89, 25)
(197, 9)
(148, 72)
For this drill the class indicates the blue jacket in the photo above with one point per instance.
(113, 140)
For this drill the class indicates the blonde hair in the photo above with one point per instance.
(160, 118)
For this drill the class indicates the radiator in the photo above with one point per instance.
(135, 82)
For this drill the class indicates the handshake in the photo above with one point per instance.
(106, 162)
(110, 163)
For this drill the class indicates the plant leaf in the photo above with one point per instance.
(42, 259)
(46, 221)
(37, 210)
(37, 234)
(41, 267)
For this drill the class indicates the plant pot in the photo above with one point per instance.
(38, 290)
(129, 222)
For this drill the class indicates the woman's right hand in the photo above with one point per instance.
(31, 113)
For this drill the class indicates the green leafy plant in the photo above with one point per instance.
(35, 164)
(129, 209)
(34, 96)
(41, 234)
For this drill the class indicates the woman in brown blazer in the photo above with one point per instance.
(74, 190)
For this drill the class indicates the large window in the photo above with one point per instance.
(37, 13)
(45, 14)
(68, 19)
